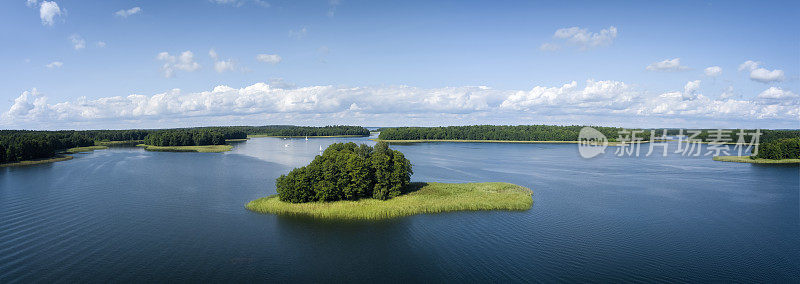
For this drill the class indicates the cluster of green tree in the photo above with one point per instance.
(116, 135)
(288, 130)
(193, 136)
(348, 172)
(781, 148)
(499, 132)
(27, 145)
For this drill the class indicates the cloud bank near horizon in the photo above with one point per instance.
(592, 102)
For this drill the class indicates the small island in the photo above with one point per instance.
(423, 198)
(359, 182)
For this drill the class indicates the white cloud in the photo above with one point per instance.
(129, 12)
(221, 65)
(549, 47)
(184, 62)
(332, 4)
(584, 38)
(668, 65)
(761, 74)
(239, 3)
(78, 42)
(766, 76)
(298, 34)
(32, 3)
(749, 65)
(775, 93)
(269, 58)
(594, 101)
(48, 12)
(713, 71)
(728, 93)
(100, 44)
(54, 64)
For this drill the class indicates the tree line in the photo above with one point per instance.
(559, 133)
(781, 148)
(193, 137)
(20, 145)
(346, 171)
(497, 132)
(287, 130)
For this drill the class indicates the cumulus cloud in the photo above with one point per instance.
(48, 11)
(775, 93)
(599, 99)
(269, 58)
(713, 71)
(100, 44)
(582, 37)
(54, 64)
(124, 13)
(184, 62)
(668, 65)
(78, 42)
(32, 3)
(221, 65)
(761, 74)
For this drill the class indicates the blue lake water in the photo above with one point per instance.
(125, 214)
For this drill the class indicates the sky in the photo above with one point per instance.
(69, 64)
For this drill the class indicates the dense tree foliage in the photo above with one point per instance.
(497, 132)
(19, 145)
(558, 133)
(782, 148)
(192, 137)
(287, 130)
(346, 171)
(28, 145)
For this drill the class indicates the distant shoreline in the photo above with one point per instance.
(331, 136)
(747, 159)
(610, 143)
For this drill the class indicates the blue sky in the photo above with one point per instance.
(118, 64)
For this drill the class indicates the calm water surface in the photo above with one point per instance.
(124, 214)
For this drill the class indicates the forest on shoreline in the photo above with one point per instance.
(23, 145)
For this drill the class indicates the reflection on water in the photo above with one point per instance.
(125, 214)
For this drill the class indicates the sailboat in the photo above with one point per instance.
(320, 148)
(306, 138)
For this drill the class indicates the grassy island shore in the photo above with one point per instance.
(84, 149)
(426, 198)
(57, 158)
(200, 149)
(747, 159)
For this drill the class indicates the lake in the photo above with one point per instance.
(124, 214)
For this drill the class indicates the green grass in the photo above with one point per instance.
(423, 199)
(747, 159)
(331, 136)
(237, 140)
(200, 149)
(57, 158)
(84, 149)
